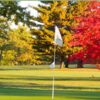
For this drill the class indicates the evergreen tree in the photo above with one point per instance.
(61, 14)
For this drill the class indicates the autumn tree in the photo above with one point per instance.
(87, 34)
(20, 49)
(61, 14)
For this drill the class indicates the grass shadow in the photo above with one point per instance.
(41, 78)
(42, 67)
(86, 95)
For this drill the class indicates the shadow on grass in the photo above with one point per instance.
(41, 86)
(26, 67)
(16, 89)
(12, 77)
(58, 93)
(42, 67)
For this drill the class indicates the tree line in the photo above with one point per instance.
(17, 45)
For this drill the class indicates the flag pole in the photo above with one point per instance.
(53, 72)
(57, 40)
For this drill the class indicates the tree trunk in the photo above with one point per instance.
(62, 64)
(97, 64)
(1, 56)
(66, 63)
(80, 64)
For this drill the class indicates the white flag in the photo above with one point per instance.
(58, 39)
(52, 65)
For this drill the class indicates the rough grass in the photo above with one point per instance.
(35, 83)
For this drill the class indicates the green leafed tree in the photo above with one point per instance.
(61, 14)
(14, 12)
(4, 28)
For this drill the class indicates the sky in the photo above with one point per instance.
(26, 4)
(31, 3)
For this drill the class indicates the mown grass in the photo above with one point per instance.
(35, 83)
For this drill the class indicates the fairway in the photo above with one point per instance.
(35, 83)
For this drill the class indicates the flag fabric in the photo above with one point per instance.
(58, 39)
(52, 65)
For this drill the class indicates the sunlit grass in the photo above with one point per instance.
(58, 72)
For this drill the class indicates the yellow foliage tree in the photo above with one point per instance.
(20, 49)
(61, 14)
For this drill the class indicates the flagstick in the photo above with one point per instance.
(53, 72)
